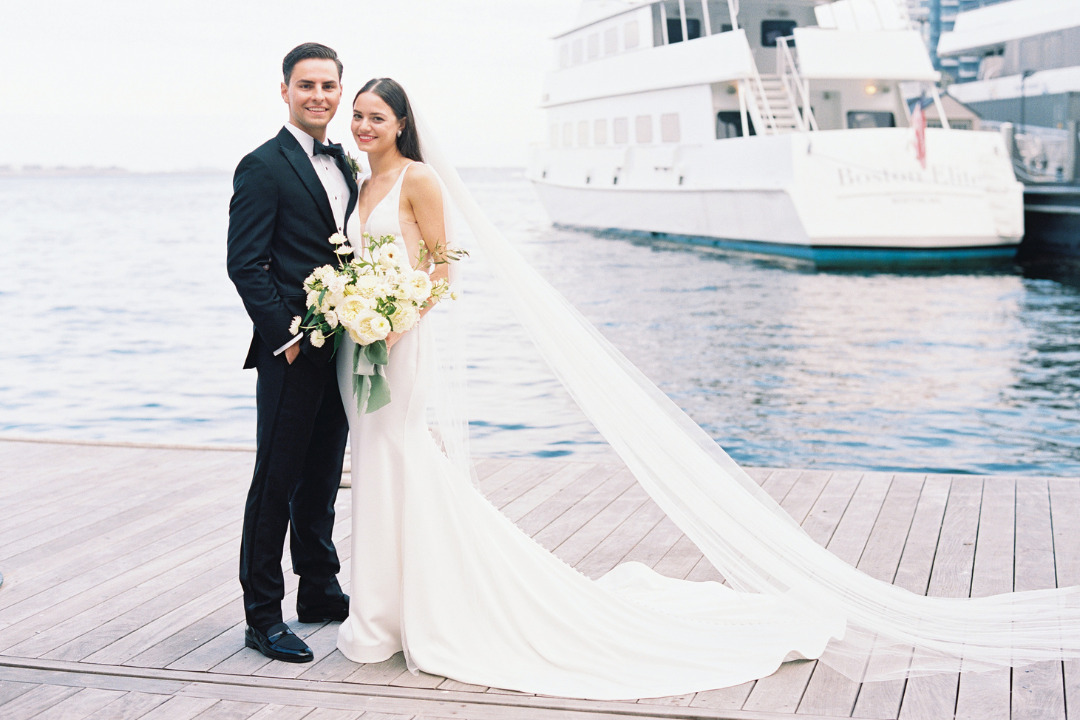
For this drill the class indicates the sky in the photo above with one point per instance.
(173, 85)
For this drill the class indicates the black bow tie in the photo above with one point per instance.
(331, 149)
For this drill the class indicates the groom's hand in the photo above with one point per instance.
(291, 352)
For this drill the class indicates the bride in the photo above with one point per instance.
(439, 574)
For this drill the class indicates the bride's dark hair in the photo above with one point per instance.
(391, 93)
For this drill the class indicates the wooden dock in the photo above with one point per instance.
(120, 597)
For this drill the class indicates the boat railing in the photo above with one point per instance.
(796, 86)
(754, 101)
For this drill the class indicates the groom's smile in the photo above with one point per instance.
(313, 94)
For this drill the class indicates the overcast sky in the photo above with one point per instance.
(184, 84)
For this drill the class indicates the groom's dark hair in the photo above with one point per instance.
(305, 52)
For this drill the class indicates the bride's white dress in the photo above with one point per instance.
(439, 573)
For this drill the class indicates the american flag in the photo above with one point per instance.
(918, 122)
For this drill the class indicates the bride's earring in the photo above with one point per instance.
(399, 133)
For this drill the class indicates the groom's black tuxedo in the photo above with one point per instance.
(280, 221)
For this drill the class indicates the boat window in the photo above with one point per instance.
(674, 29)
(669, 127)
(567, 134)
(583, 133)
(870, 119)
(643, 129)
(631, 35)
(773, 30)
(600, 132)
(593, 46)
(729, 125)
(611, 41)
(620, 131)
(578, 51)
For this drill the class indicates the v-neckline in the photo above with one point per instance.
(364, 223)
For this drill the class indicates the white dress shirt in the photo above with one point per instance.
(337, 191)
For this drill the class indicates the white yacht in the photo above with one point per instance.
(775, 126)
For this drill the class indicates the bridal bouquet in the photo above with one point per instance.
(372, 292)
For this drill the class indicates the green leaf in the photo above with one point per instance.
(377, 353)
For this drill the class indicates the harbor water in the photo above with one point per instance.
(121, 325)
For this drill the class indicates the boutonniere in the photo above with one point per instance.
(354, 165)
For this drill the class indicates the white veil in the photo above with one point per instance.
(748, 537)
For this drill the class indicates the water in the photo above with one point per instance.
(122, 325)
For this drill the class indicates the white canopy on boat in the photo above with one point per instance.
(991, 26)
(863, 55)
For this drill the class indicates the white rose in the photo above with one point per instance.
(405, 318)
(348, 312)
(419, 285)
(389, 256)
(369, 327)
(366, 286)
(294, 326)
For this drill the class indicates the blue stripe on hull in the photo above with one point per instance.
(836, 256)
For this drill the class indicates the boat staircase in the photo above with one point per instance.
(780, 103)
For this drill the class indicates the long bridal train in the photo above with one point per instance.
(441, 574)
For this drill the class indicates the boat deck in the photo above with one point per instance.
(120, 597)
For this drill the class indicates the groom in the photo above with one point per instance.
(289, 196)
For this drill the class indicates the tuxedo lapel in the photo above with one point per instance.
(354, 193)
(301, 163)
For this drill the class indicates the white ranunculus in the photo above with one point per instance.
(313, 298)
(337, 284)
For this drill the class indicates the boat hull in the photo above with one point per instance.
(832, 198)
(1052, 219)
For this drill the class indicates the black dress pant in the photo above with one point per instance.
(301, 435)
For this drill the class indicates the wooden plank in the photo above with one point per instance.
(817, 501)
(38, 700)
(179, 708)
(985, 696)
(918, 504)
(594, 530)
(1037, 690)
(566, 499)
(935, 696)
(283, 712)
(556, 531)
(83, 703)
(828, 692)
(1065, 517)
(11, 689)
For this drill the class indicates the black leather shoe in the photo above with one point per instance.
(331, 612)
(278, 643)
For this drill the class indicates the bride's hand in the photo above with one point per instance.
(391, 338)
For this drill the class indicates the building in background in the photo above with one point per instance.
(934, 17)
